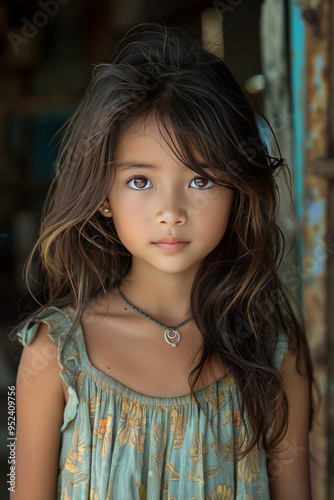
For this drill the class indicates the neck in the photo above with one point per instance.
(164, 298)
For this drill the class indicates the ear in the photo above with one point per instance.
(105, 209)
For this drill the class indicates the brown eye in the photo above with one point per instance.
(139, 183)
(201, 183)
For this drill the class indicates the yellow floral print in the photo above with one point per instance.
(208, 473)
(174, 417)
(104, 432)
(172, 472)
(76, 453)
(157, 432)
(234, 416)
(249, 467)
(64, 495)
(94, 402)
(229, 447)
(131, 423)
(75, 457)
(211, 472)
(220, 493)
(93, 495)
(214, 398)
(160, 439)
(199, 450)
(178, 426)
(141, 442)
(196, 476)
(142, 491)
(79, 382)
(81, 478)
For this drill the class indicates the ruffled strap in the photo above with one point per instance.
(59, 322)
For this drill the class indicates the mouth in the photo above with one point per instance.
(171, 246)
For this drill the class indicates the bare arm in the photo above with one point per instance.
(289, 474)
(40, 408)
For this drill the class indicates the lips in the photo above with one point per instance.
(171, 245)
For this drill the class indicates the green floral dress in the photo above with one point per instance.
(121, 445)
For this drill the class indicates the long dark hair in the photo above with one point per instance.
(237, 299)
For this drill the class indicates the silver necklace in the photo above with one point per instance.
(172, 336)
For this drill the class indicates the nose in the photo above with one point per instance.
(171, 211)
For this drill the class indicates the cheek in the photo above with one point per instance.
(129, 220)
(216, 223)
(217, 230)
(127, 231)
(218, 199)
(215, 217)
(218, 208)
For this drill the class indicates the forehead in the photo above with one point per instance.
(145, 135)
(139, 130)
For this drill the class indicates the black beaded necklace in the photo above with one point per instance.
(172, 336)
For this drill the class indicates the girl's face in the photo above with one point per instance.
(166, 215)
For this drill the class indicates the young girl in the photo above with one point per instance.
(165, 360)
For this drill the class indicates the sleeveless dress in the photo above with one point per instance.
(118, 444)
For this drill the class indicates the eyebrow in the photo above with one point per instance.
(128, 165)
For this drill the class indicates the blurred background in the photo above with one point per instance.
(279, 51)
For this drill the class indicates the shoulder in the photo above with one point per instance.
(43, 337)
(39, 355)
